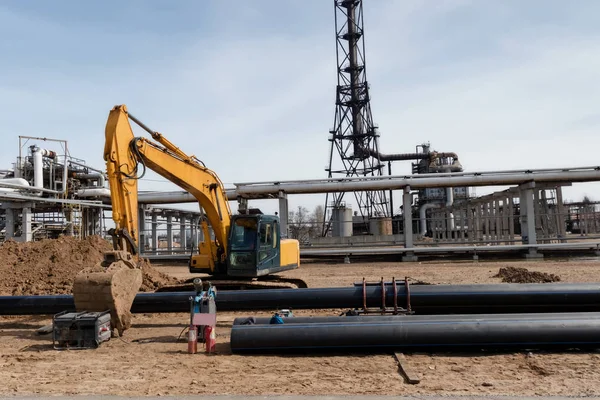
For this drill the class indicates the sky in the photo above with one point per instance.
(249, 87)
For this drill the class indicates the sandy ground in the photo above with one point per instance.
(150, 361)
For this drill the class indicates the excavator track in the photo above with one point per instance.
(224, 283)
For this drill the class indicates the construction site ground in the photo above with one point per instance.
(149, 359)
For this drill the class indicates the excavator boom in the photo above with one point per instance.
(173, 164)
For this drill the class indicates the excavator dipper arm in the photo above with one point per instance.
(122, 170)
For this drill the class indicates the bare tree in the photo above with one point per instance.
(319, 215)
(304, 225)
(299, 222)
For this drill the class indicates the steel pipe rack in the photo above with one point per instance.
(417, 181)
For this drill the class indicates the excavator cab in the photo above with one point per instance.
(255, 247)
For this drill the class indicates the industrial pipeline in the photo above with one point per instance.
(370, 318)
(420, 299)
(431, 333)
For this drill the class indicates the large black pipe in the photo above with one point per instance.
(370, 318)
(435, 333)
(424, 299)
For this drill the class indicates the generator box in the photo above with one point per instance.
(80, 330)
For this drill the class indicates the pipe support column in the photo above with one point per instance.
(10, 223)
(26, 234)
(169, 234)
(142, 229)
(194, 231)
(527, 210)
(154, 232)
(408, 229)
(283, 214)
(182, 232)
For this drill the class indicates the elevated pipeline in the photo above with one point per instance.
(424, 299)
(395, 157)
(435, 333)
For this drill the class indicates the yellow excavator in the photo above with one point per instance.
(247, 248)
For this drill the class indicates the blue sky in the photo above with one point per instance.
(249, 86)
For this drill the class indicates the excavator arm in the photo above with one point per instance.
(124, 154)
(122, 170)
(113, 284)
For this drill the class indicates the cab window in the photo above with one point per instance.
(266, 235)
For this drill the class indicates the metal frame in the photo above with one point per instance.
(66, 157)
(354, 136)
(383, 308)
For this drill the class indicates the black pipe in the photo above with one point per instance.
(580, 330)
(35, 305)
(370, 318)
(425, 299)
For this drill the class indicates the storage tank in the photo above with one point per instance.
(341, 221)
(380, 226)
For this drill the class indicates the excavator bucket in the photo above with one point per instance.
(111, 285)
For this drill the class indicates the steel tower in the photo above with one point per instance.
(354, 138)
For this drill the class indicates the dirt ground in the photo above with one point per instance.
(150, 360)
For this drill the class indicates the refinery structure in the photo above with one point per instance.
(46, 191)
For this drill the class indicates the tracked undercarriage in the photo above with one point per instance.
(226, 283)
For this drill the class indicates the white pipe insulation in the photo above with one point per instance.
(14, 181)
(93, 192)
(449, 203)
(38, 167)
(38, 155)
(169, 197)
(11, 185)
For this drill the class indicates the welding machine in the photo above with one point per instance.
(80, 330)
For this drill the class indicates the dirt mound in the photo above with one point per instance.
(154, 279)
(49, 266)
(523, 275)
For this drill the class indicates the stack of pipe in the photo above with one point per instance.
(447, 316)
